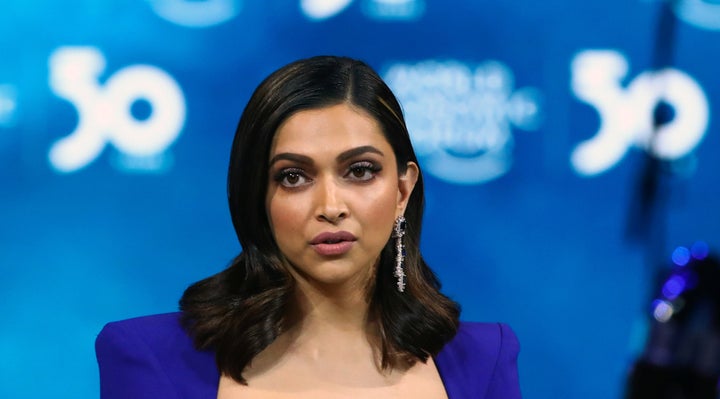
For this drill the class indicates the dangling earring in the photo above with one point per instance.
(398, 233)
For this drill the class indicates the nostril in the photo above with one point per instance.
(332, 215)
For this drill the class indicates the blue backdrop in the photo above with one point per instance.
(533, 122)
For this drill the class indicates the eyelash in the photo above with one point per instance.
(372, 167)
(363, 166)
(283, 174)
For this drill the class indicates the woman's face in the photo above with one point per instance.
(334, 193)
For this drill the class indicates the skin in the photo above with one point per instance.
(331, 169)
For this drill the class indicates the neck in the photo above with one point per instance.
(331, 324)
(330, 308)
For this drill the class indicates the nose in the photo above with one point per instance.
(331, 206)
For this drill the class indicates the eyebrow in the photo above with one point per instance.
(353, 152)
(344, 156)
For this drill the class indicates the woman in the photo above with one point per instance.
(330, 296)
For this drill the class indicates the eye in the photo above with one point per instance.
(363, 171)
(291, 178)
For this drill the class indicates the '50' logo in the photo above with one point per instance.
(626, 113)
(104, 112)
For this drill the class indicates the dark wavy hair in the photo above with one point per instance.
(241, 310)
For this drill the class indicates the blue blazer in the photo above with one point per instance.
(153, 357)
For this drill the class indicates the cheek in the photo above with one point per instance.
(379, 209)
(283, 216)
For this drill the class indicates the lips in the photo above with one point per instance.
(333, 243)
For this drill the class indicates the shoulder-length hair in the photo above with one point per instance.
(241, 310)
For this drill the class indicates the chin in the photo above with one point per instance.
(335, 273)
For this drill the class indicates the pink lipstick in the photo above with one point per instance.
(333, 244)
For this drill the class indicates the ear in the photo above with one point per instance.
(406, 184)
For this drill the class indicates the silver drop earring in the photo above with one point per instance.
(398, 233)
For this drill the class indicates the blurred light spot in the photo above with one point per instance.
(700, 250)
(194, 13)
(703, 14)
(681, 256)
(323, 9)
(8, 105)
(674, 286)
(157, 164)
(394, 9)
(662, 310)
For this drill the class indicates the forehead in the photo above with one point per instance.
(337, 127)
